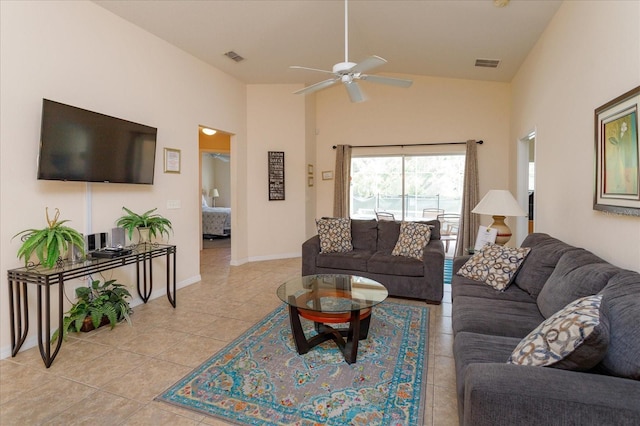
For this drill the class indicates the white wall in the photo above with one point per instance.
(310, 152)
(431, 110)
(216, 173)
(80, 54)
(275, 122)
(588, 55)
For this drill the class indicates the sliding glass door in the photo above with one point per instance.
(406, 185)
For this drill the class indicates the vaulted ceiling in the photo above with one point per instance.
(423, 37)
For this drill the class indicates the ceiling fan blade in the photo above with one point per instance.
(368, 64)
(296, 67)
(391, 81)
(315, 87)
(355, 94)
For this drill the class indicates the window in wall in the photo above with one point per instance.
(406, 185)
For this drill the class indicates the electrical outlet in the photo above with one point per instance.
(173, 204)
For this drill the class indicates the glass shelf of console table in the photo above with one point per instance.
(141, 256)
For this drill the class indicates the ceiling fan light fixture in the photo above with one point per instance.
(348, 73)
(343, 67)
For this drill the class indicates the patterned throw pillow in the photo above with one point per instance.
(335, 234)
(494, 265)
(413, 238)
(574, 338)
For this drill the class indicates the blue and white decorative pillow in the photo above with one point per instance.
(574, 338)
(494, 265)
(414, 236)
(334, 234)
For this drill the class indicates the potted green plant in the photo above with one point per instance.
(49, 243)
(97, 305)
(154, 222)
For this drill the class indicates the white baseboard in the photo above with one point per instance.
(274, 257)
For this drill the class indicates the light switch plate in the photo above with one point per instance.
(173, 204)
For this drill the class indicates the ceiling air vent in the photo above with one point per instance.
(487, 63)
(234, 56)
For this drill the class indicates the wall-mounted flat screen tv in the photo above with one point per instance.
(81, 145)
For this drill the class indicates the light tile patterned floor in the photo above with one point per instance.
(110, 377)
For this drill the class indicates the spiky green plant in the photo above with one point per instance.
(49, 243)
(97, 301)
(157, 224)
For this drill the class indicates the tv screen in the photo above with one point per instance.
(81, 145)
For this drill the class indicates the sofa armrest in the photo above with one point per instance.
(504, 394)
(433, 260)
(310, 251)
(458, 261)
(434, 250)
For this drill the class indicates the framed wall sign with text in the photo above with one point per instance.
(171, 160)
(276, 175)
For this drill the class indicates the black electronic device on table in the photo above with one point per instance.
(110, 252)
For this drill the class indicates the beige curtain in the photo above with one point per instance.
(342, 181)
(469, 222)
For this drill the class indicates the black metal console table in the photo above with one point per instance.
(45, 278)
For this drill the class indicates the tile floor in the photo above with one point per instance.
(111, 376)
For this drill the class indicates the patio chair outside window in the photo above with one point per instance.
(449, 225)
(385, 216)
(432, 214)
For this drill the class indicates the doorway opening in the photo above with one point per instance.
(526, 183)
(215, 187)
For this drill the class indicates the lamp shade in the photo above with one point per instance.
(214, 193)
(499, 202)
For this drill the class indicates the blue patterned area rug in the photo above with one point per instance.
(259, 379)
(448, 270)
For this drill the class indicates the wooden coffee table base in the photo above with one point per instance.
(358, 330)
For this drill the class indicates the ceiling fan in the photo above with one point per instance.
(349, 72)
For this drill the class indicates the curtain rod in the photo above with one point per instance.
(411, 144)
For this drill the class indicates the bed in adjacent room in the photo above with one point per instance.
(216, 221)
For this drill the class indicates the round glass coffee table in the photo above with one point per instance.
(332, 299)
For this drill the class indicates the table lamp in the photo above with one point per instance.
(213, 193)
(499, 203)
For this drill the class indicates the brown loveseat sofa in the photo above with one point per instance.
(373, 241)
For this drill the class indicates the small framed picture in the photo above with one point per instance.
(310, 169)
(310, 180)
(171, 160)
(327, 175)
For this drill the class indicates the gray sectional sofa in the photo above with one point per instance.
(373, 242)
(488, 325)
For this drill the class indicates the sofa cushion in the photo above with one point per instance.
(494, 265)
(388, 233)
(578, 273)
(364, 234)
(470, 348)
(355, 260)
(574, 338)
(414, 236)
(495, 317)
(384, 263)
(461, 286)
(540, 262)
(621, 303)
(335, 234)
